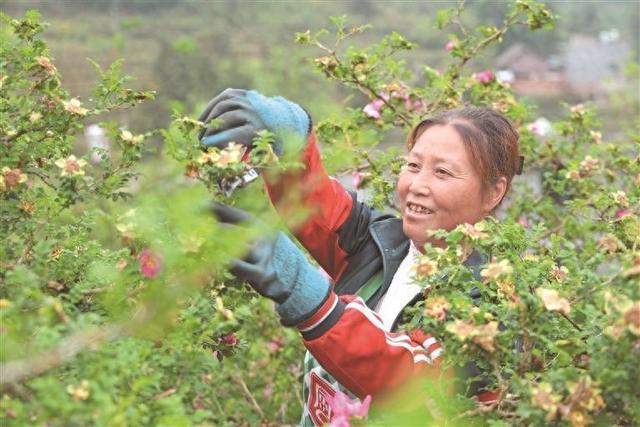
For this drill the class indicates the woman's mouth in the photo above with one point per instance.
(417, 209)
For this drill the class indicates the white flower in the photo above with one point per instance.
(74, 106)
(71, 166)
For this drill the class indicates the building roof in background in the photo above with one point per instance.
(589, 60)
(519, 59)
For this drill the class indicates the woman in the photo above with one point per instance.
(458, 170)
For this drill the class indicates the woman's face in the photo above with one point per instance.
(439, 188)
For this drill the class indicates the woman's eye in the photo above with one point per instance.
(412, 166)
(441, 171)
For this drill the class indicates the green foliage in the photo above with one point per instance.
(560, 291)
(116, 308)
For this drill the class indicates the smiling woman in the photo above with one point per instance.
(459, 168)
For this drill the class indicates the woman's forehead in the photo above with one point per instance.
(440, 143)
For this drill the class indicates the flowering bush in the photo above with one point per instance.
(118, 309)
(555, 325)
(114, 309)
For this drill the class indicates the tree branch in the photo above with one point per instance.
(19, 370)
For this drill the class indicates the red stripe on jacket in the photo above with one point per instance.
(359, 353)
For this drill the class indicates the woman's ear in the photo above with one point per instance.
(495, 194)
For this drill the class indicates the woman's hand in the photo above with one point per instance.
(278, 270)
(244, 113)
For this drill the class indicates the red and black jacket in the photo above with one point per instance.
(352, 243)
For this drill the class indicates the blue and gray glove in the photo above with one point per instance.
(244, 113)
(278, 270)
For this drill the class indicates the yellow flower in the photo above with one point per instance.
(461, 329)
(608, 243)
(475, 231)
(4, 303)
(620, 197)
(81, 392)
(126, 230)
(46, 64)
(436, 307)
(573, 175)
(583, 398)
(589, 164)
(578, 110)
(596, 136)
(507, 290)
(74, 106)
(209, 157)
(425, 267)
(483, 335)
(27, 207)
(131, 138)
(190, 121)
(34, 117)
(543, 397)
(632, 318)
(553, 301)
(502, 106)
(232, 154)
(495, 270)
(10, 178)
(559, 273)
(578, 419)
(71, 166)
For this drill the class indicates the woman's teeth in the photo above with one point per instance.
(417, 209)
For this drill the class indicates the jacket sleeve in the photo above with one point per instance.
(323, 201)
(350, 342)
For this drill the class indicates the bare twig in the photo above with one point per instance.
(457, 19)
(571, 321)
(249, 395)
(165, 393)
(18, 370)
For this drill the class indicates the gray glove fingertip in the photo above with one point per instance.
(242, 135)
(225, 94)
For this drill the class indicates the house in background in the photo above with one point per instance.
(588, 66)
(529, 73)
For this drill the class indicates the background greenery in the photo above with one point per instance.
(190, 346)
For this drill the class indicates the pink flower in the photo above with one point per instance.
(523, 221)
(342, 408)
(373, 108)
(415, 106)
(230, 340)
(621, 213)
(541, 127)
(267, 392)
(359, 178)
(485, 77)
(150, 263)
(450, 45)
(275, 344)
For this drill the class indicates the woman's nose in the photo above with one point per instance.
(420, 184)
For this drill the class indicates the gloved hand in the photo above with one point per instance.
(244, 113)
(278, 270)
